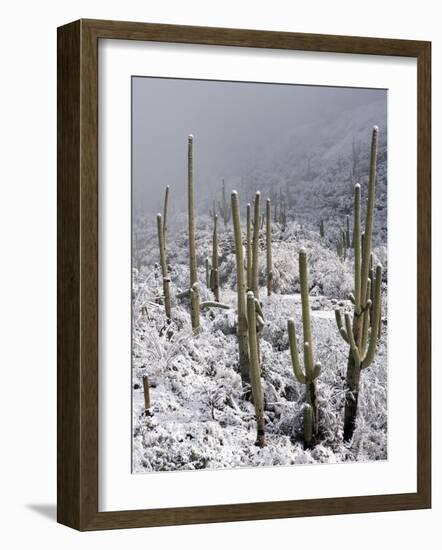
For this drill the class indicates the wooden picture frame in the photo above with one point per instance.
(77, 226)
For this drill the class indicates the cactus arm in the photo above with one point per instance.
(380, 316)
(342, 331)
(255, 251)
(369, 356)
(369, 215)
(204, 305)
(183, 294)
(258, 308)
(317, 371)
(260, 323)
(365, 312)
(357, 246)
(351, 297)
(351, 340)
(295, 353)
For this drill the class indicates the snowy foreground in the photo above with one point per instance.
(200, 418)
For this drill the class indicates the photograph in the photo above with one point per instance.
(259, 274)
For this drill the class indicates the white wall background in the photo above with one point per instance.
(28, 269)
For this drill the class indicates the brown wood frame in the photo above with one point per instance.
(77, 225)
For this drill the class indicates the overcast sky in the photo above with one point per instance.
(230, 121)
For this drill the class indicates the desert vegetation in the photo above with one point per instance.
(222, 374)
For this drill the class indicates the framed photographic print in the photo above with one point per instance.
(243, 274)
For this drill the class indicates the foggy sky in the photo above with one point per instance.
(231, 123)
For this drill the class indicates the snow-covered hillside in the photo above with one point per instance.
(200, 417)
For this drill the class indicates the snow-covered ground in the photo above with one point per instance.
(200, 416)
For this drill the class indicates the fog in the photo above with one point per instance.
(233, 124)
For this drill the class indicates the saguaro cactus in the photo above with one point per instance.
(195, 307)
(224, 207)
(165, 205)
(347, 233)
(255, 371)
(214, 275)
(255, 247)
(191, 212)
(269, 247)
(341, 249)
(321, 229)
(241, 290)
(163, 263)
(207, 268)
(312, 369)
(249, 246)
(356, 331)
(194, 293)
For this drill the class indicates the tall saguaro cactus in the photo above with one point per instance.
(163, 263)
(255, 371)
(191, 212)
(194, 294)
(255, 247)
(166, 203)
(269, 247)
(249, 246)
(241, 290)
(214, 275)
(312, 369)
(367, 303)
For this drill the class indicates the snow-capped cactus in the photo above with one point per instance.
(361, 331)
(255, 371)
(312, 369)
(243, 344)
(163, 263)
(269, 247)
